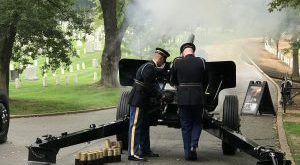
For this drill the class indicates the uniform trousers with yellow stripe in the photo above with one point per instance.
(138, 135)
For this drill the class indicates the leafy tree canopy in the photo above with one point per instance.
(43, 28)
(281, 4)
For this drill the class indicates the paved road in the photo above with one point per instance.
(165, 141)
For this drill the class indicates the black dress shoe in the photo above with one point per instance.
(149, 154)
(136, 158)
(193, 154)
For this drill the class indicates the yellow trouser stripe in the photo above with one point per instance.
(133, 130)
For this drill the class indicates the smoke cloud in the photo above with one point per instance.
(156, 22)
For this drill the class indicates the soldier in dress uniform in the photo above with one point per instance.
(145, 86)
(189, 75)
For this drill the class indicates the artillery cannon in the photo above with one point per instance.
(221, 75)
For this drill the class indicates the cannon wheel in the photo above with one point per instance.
(231, 120)
(122, 111)
(4, 117)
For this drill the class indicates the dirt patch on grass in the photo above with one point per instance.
(292, 118)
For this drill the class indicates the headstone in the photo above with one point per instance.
(67, 80)
(57, 80)
(79, 43)
(30, 73)
(35, 62)
(45, 81)
(17, 83)
(97, 46)
(71, 69)
(78, 67)
(76, 79)
(13, 74)
(11, 66)
(95, 76)
(84, 51)
(83, 65)
(62, 70)
(258, 99)
(95, 63)
(90, 43)
(47, 60)
(90, 47)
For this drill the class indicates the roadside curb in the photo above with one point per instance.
(279, 121)
(60, 113)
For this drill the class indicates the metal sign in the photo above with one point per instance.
(258, 99)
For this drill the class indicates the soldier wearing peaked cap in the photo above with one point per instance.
(188, 74)
(145, 86)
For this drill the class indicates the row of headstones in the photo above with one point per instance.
(57, 80)
(91, 46)
(92, 41)
(280, 55)
(31, 70)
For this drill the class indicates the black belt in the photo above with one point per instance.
(189, 84)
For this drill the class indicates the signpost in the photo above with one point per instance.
(258, 99)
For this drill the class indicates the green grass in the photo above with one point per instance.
(293, 133)
(33, 98)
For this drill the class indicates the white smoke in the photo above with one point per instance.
(152, 21)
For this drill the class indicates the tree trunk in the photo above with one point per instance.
(295, 53)
(277, 47)
(6, 46)
(295, 72)
(112, 47)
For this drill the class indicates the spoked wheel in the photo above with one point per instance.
(231, 120)
(123, 111)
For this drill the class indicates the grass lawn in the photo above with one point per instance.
(293, 134)
(33, 98)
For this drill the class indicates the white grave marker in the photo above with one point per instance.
(57, 80)
(95, 63)
(17, 83)
(79, 43)
(45, 81)
(76, 79)
(83, 65)
(62, 70)
(71, 69)
(78, 67)
(95, 76)
(67, 80)
(35, 62)
(97, 46)
(30, 73)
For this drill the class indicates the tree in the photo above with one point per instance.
(291, 24)
(281, 4)
(115, 25)
(33, 28)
